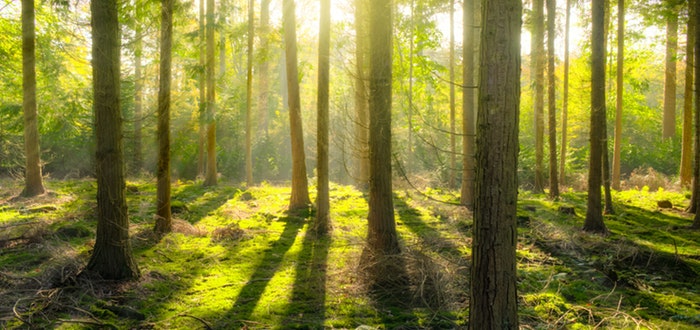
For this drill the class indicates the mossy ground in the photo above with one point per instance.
(237, 259)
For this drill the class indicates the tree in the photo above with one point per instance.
(361, 91)
(211, 173)
(696, 167)
(33, 184)
(617, 147)
(381, 237)
(137, 164)
(552, 99)
(537, 58)
(201, 160)
(565, 96)
(300, 190)
(264, 67)
(468, 122)
(249, 97)
(669, 123)
(453, 120)
(686, 170)
(164, 221)
(111, 257)
(324, 41)
(594, 212)
(493, 294)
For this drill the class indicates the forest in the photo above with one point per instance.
(349, 164)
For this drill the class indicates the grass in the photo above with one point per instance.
(237, 259)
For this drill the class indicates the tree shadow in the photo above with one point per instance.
(252, 291)
(307, 307)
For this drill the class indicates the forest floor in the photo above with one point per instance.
(236, 259)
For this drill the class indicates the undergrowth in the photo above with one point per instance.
(237, 259)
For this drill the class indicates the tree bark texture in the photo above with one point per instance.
(382, 238)
(696, 168)
(33, 184)
(468, 118)
(594, 212)
(322, 199)
(164, 222)
(453, 112)
(493, 294)
(137, 164)
(361, 94)
(264, 68)
(249, 97)
(300, 190)
(210, 178)
(111, 257)
(538, 67)
(565, 97)
(669, 119)
(617, 147)
(552, 99)
(686, 170)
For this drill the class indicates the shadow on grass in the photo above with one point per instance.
(307, 307)
(252, 291)
(200, 201)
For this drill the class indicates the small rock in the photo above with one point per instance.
(664, 204)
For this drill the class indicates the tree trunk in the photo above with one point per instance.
(411, 56)
(468, 122)
(111, 257)
(453, 114)
(300, 189)
(669, 122)
(137, 164)
(211, 173)
(381, 238)
(696, 168)
(552, 99)
(201, 160)
(322, 199)
(594, 212)
(249, 97)
(264, 67)
(493, 294)
(538, 66)
(686, 171)
(565, 97)
(164, 222)
(617, 147)
(361, 91)
(33, 184)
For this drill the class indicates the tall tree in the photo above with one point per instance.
(361, 91)
(565, 96)
(33, 184)
(300, 189)
(686, 170)
(324, 42)
(453, 119)
(164, 222)
(111, 257)
(211, 173)
(594, 212)
(537, 58)
(468, 122)
(669, 118)
(494, 279)
(696, 168)
(137, 164)
(411, 58)
(264, 67)
(249, 97)
(552, 98)
(381, 237)
(617, 147)
(201, 159)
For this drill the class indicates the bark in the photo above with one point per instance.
(201, 160)
(381, 238)
(264, 67)
(686, 170)
(300, 189)
(138, 101)
(411, 48)
(361, 91)
(249, 97)
(565, 97)
(468, 122)
(669, 119)
(323, 199)
(453, 119)
(111, 257)
(552, 99)
(594, 212)
(696, 168)
(164, 222)
(493, 303)
(33, 184)
(211, 174)
(617, 147)
(538, 66)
